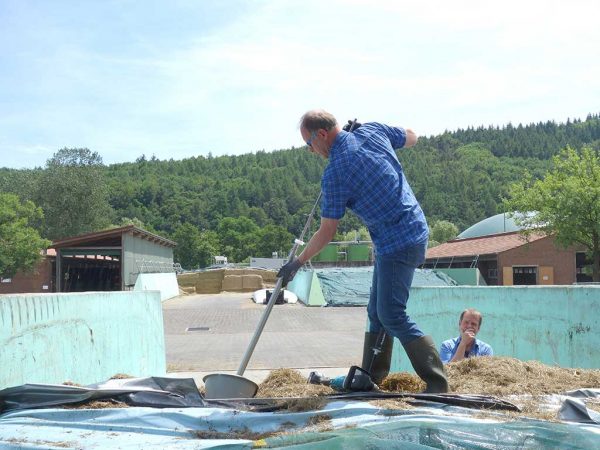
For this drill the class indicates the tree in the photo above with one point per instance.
(274, 238)
(20, 243)
(134, 221)
(362, 234)
(73, 193)
(194, 248)
(431, 243)
(566, 201)
(443, 231)
(125, 221)
(239, 237)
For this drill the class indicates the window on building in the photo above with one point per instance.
(583, 268)
(524, 276)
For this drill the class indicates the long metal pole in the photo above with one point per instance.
(263, 320)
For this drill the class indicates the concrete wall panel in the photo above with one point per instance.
(165, 283)
(80, 337)
(557, 325)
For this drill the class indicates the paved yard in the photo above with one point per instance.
(295, 336)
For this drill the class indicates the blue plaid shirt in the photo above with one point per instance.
(364, 174)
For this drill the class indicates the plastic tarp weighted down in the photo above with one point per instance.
(351, 286)
(159, 392)
(350, 425)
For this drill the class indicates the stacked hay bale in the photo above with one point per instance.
(231, 280)
(242, 280)
(187, 282)
(210, 282)
(268, 276)
(232, 283)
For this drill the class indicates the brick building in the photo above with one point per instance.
(506, 259)
(41, 279)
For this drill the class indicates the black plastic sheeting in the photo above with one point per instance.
(153, 391)
(462, 400)
(574, 410)
(162, 392)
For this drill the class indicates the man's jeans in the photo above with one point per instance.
(392, 278)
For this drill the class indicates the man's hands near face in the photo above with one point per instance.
(467, 336)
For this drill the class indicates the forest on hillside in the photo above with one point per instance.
(458, 176)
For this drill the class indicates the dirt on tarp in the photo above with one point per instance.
(96, 404)
(121, 376)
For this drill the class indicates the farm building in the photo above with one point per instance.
(504, 257)
(108, 260)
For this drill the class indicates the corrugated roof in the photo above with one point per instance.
(483, 245)
(105, 235)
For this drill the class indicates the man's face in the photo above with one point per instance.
(469, 322)
(315, 141)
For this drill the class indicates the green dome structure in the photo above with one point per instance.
(500, 223)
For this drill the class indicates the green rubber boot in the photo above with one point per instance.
(381, 364)
(426, 361)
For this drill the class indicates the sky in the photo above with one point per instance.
(182, 78)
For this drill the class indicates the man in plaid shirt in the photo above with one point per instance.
(364, 174)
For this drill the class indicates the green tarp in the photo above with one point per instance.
(350, 286)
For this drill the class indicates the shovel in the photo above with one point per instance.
(227, 386)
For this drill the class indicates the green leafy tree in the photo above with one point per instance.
(194, 247)
(432, 243)
(274, 238)
(134, 221)
(72, 193)
(125, 221)
(361, 234)
(239, 237)
(566, 201)
(443, 231)
(20, 242)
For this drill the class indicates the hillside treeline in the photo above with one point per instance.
(458, 176)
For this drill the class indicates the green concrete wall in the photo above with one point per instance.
(557, 325)
(307, 287)
(80, 337)
(465, 277)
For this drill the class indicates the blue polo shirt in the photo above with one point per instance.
(364, 175)
(449, 347)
